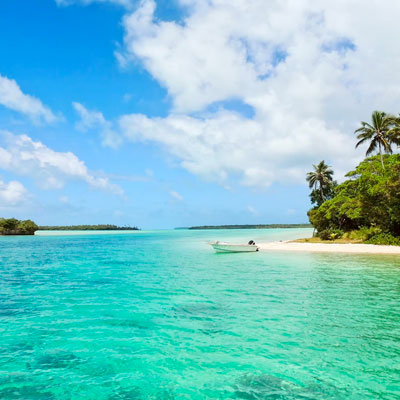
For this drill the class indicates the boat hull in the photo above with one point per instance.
(233, 248)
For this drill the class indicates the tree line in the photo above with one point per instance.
(366, 207)
(266, 226)
(101, 227)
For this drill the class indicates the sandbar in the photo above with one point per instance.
(330, 248)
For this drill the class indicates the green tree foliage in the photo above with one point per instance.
(381, 134)
(27, 227)
(328, 193)
(321, 181)
(12, 226)
(9, 224)
(369, 198)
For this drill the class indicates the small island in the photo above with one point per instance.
(13, 226)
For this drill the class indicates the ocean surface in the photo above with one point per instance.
(159, 315)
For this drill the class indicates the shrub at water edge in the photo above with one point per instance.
(12, 226)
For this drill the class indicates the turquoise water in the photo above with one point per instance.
(158, 315)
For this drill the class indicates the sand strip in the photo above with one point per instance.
(330, 248)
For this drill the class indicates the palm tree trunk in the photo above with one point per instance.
(380, 153)
(321, 191)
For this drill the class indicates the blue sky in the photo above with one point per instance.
(162, 114)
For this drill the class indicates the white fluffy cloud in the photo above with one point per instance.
(50, 169)
(230, 144)
(12, 97)
(12, 193)
(94, 120)
(310, 71)
(124, 3)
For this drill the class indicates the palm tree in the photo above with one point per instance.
(320, 179)
(381, 133)
(394, 131)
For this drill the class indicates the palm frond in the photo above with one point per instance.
(364, 139)
(372, 146)
(321, 176)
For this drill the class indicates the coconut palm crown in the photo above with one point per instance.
(321, 179)
(381, 133)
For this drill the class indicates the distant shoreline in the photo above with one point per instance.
(85, 232)
(88, 228)
(265, 226)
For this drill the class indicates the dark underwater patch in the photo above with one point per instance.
(200, 310)
(100, 281)
(164, 394)
(21, 347)
(11, 311)
(25, 393)
(56, 359)
(11, 306)
(131, 323)
(212, 317)
(212, 330)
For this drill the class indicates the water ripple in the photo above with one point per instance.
(159, 316)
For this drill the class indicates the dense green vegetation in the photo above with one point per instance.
(268, 226)
(12, 226)
(366, 207)
(105, 227)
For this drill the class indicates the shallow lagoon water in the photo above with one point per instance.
(158, 315)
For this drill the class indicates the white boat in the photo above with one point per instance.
(223, 247)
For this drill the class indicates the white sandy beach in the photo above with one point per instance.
(330, 248)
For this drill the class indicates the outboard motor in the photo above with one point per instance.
(252, 242)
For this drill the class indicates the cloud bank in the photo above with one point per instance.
(307, 70)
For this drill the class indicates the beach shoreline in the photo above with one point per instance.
(351, 248)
